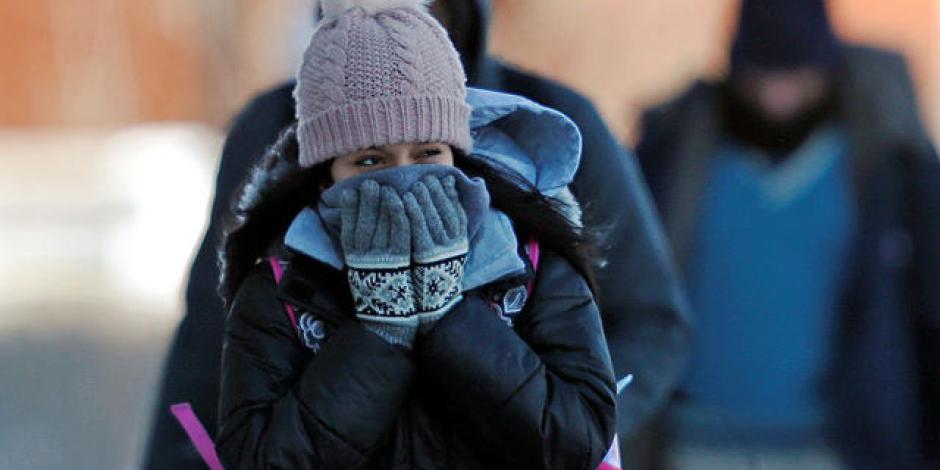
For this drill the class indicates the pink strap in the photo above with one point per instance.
(187, 417)
(534, 258)
(197, 434)
(278, 274)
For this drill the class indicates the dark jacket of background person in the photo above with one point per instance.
(882, 385)
(642, 306)
(541, 396)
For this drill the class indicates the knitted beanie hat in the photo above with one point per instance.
(784, 34)
(379, 72)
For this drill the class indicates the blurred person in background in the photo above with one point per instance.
(801, 196)
(642, 307)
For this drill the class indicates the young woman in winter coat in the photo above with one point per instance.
(434, 263)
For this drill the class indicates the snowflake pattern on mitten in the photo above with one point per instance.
(437, 285)
(384, 293)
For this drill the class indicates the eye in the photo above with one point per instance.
(430, 152)
(368, 160)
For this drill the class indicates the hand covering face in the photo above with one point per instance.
(439, 246)
(376, 240)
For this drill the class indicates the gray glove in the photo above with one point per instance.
(375, 235)
(439, 246)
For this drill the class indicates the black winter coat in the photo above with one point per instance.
(474, 393)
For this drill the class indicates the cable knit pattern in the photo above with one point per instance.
(453, 73)
(325, 66)
(382, 77)
(405, 50)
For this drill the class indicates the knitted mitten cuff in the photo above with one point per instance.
(439, 246)
(376, 243)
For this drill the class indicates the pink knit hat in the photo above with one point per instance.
(379, 72)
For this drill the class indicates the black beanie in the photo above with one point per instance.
(784, 34)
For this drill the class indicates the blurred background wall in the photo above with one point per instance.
(113, 62)
(111, 122)
(627, 54)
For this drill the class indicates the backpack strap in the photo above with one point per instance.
(278, 274)
(533, 252)
(184, 414)
(197, 434)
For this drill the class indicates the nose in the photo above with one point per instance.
(401, 158)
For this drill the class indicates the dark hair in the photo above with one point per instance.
(534, 215)
(278, 188)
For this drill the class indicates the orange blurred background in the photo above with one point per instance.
(114, 62)
(112, 118)
(628, 55)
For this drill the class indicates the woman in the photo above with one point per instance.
(427, 338)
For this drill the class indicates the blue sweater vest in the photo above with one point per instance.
(765, 280)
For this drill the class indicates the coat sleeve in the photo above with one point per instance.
(541, 396)
(643, 307)
(280, 408)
